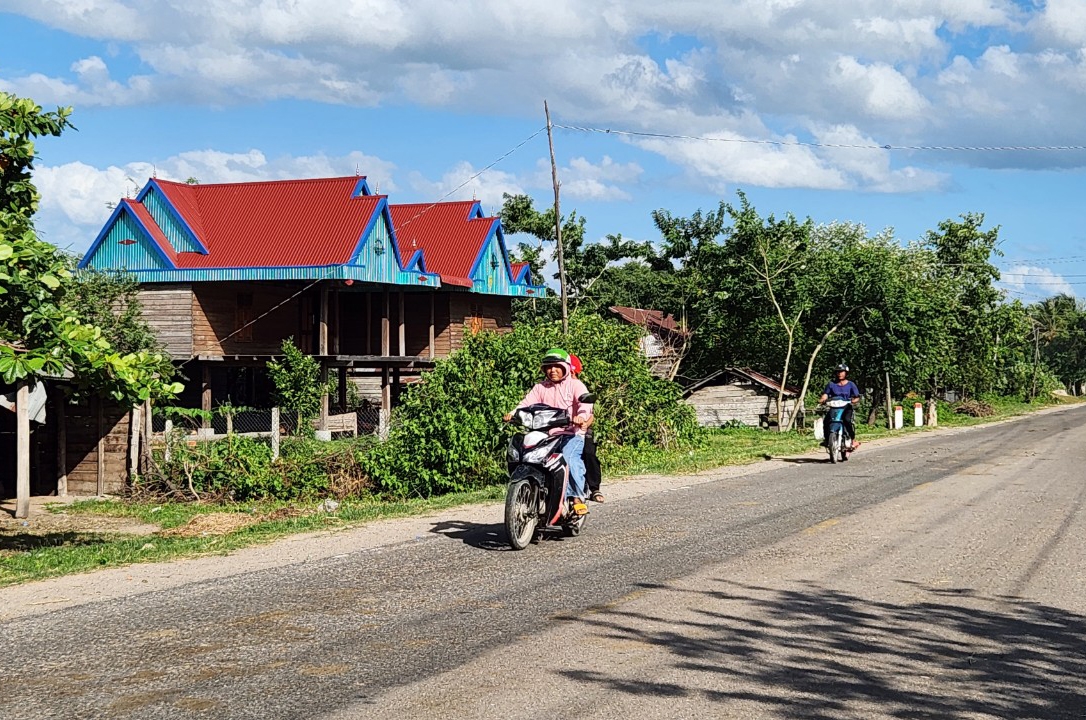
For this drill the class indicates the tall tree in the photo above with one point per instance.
(39, 331)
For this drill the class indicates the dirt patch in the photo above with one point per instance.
(216, 523)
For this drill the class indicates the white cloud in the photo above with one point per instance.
(76, 197)
(1035, 281)
(761, 69)
(581, 179)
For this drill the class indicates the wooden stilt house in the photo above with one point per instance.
(370, 289)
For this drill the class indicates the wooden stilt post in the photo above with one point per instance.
(22, 450)
(322, 342)
(369, 323)
(343, 389)
(385, 330)
(337, 307)
(400, 322)
(431, 345)
(205, 397)
(100, 489)
(62, 444)
(148, 433)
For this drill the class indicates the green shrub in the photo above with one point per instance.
(448, 433)
(241, 469)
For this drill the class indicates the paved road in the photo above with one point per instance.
(943, 577)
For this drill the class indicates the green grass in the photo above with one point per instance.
(25, 557)
(34, 557)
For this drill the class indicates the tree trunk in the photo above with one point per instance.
(810, 366)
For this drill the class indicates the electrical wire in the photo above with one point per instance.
(407, 222)
(814, 144)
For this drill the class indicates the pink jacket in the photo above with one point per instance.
(562, 395)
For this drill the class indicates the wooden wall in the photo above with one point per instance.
(168, 310)
(203, 319)
(97, 448)
(746, 402)
(470, 312)
(215, 318)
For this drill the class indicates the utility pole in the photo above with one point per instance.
(558, 224)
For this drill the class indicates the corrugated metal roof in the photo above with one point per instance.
(447, 233)
(285, 223)
(650, 319)
(517, 268)
(747, 373)
(152, 227)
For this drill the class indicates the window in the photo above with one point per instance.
(243, 318)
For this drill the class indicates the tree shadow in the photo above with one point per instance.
(26, 542)
(816, 654)
(478, 535)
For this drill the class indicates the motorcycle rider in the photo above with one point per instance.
(841, 388)
(593, 473)
(561, 390)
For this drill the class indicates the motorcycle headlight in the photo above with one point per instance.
(537, 454)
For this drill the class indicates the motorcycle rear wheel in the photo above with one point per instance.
(520, 520)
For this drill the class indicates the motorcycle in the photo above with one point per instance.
(535, 500)
(838, 441)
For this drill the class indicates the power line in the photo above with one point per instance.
(410, 220)
(813, 144)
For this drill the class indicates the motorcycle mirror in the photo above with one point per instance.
(587, 398)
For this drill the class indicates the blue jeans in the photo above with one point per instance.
(571, 451)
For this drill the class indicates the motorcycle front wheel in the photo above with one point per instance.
(520, 517)
(833, 443)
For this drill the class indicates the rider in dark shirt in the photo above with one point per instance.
(842, 389)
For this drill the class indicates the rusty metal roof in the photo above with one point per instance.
(653, 320)
(746, 373)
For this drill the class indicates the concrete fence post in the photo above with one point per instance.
(918, 414)
(275, 433)
(899, 417)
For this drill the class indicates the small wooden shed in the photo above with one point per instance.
(738, 395)
(84, 448)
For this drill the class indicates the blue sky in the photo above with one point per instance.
(420, 94)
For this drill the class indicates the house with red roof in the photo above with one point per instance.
(228, 271)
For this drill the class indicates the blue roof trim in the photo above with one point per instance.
(173, 211)
(122, 207)
(361, 188)
(380, 211)
(475, 211)
(85, 261)
(417, 260)
(312, 272)
(482, 249)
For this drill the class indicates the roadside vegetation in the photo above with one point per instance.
(916, 319)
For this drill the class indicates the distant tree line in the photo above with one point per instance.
(793, 298)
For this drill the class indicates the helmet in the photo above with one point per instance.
(575, 364)
(840, 368)
(555, 356)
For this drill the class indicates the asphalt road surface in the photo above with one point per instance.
(942, 577)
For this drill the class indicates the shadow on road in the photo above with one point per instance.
(820, 654)
(485, 537)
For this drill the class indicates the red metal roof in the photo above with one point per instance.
(516, 268)
(282, 223)
(156, 232)
(449, 237)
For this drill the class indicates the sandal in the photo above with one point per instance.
(579, 508)
(596, 497)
